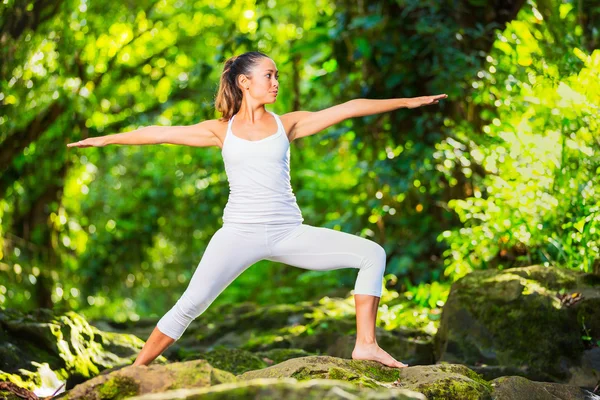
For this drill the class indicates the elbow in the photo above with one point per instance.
(157, 134)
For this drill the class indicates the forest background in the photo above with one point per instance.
(502, 173)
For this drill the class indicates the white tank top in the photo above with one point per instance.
(259, 179)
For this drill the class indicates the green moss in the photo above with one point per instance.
(375, 370)
(118, 387)
(342, 374)
(469, 373)
(302, 374)
(236, 361)
(218, 377)
(452, 389)
(197, 373)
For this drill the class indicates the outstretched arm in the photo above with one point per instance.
(197, 135)
(306, 123)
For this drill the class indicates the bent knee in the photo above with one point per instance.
(376, 257)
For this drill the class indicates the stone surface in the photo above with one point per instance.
(286, 388)
(514, 319)
(519, 388)
(137, 380)
(36, 345)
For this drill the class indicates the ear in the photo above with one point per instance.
(243, 81)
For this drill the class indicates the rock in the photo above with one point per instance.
(519, 388)
(286, 388)
(434, 381)
(444, 381)
(142, 379)
(360, 372)
(517, 319)
(62, 345)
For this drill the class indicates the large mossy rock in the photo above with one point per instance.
(286, 388)
(360, 372)
(451, 381)
(40, 343)
(515, 321)
(519, 388)
(136, 380)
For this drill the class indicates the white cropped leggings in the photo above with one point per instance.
(235, 247)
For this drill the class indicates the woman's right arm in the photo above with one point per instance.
(197, 135)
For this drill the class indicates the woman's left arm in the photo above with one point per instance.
(306, 123)
(362, 107)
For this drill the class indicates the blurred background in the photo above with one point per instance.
(502, 173)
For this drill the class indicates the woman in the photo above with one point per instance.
(261, 219)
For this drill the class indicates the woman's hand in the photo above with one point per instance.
(89, 142)
(414, 102)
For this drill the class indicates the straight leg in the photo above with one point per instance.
(230, 252)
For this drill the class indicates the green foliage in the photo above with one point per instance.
(503, 174)
(537, 201)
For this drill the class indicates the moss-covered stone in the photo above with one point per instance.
(359, 372)
(150, 379)
(118, 387)
(71, 348)
(513, 318)
(372, 374)
(286, 388)
(519, 388)
(444, 381)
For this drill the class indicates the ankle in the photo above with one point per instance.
(366, 342)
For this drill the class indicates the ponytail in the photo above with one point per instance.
(229, 96)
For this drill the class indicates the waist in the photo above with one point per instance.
(275, 212)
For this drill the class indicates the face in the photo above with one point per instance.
(264, 82)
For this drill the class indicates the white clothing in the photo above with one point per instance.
(258, 172)
(236, 247)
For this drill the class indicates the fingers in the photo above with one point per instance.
(436, 99)
(77, 144)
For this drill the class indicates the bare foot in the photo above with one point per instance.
(374, 352)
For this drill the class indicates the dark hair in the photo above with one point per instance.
(229, 95)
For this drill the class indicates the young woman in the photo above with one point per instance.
(261, 219)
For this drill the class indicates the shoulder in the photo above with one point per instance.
(290, 119)
(294, 116)
(218, 127)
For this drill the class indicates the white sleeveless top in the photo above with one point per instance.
(258, 172)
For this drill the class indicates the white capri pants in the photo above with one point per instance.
(235, 247)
